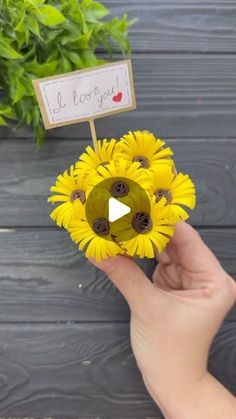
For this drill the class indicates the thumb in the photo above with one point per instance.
(128, 278)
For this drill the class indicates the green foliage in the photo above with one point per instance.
(40, 38)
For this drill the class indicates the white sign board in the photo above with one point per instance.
(86, 95)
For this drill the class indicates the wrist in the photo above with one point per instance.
(178, 371)
(205, 398)
(177, 397)
(175, 388)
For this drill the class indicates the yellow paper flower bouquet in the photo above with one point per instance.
(138, 171)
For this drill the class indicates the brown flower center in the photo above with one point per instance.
(101, 227)
(142, 160)
(119, 189)
(142, 223)
(163, 192)
(78, 194)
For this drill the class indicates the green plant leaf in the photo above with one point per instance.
(65, 65)
(50, 16)
(118, 30)
(33, 25)
(30, 53)
(69, 38)
(7, 111)
(81, 41)
(78, 17)
(23, 36)
(95, 11)
(40, 135)
(19, 93)
(35, 3)
(75, 58)
(41, 70)
(86, 3)
(88, 58)
(52, 35)
(2, 121)
(7, 51)
(20, 27)
(22, 108)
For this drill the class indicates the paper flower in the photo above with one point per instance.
(91, 160)
(153, 227)
(70, 189)
(95, 236)
(177, 189)
(145, 148)
(138, 171)
(129, 174)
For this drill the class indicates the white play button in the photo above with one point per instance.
(117, 210)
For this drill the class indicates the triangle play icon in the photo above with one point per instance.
(117, 210)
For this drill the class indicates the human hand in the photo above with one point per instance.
(174, 319)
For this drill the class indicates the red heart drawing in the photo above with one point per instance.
(118, 97)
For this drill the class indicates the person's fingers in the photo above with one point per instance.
(128, 278)
(163, 257)
(192, 252)
(189, 250)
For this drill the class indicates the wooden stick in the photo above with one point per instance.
(94, 134)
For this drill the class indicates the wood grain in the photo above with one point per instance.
(57, 370)
(178, 95)
(179, 26)
(26, 177)
(43, 278)
(60, 370)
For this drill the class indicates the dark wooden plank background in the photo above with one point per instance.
(64, 329)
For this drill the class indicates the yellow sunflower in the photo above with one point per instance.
(92, 232)
(177, 189)
(91, 160)
(119, 178)
(71, 191)
(145, 148)
(148, 226)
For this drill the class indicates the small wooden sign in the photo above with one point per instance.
(86, 95)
